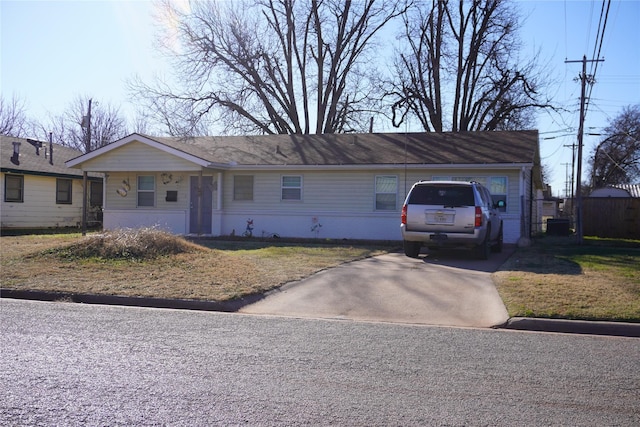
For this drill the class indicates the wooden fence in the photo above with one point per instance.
(611, 217)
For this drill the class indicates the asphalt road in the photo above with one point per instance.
(74, 364)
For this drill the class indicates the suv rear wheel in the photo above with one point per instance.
(411, 249)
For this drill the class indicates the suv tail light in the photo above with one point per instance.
(403, 217)
(478, 216)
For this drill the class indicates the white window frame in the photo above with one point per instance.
(394, 193)
(145, 191)
(284, 188)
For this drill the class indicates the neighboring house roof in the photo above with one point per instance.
(465, 148)
(618, 190)
(30, 162)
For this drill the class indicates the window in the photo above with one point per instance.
(498, 189)
(14, 188)
(442, 195)
(243, 187)
(95, 195)
(146, 191)
(386, 193)
(63, 191)
(291, 188)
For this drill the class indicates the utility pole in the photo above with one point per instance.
(584, 79)
(568, 184)
(573, 169)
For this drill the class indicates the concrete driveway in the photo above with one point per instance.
(446, 288)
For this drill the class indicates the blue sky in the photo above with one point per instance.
(53, 51)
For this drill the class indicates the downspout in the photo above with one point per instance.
(219, 204)
(200, 203)
(522, 204)
(531, 197)
(84, 202)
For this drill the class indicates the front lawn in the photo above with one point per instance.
(555, 278)
(203, 269)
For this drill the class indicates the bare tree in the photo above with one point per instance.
(69, 128)
(13, 119)
(616, 159)
(272, 66)
(459, 69)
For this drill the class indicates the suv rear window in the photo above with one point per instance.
(442, 195)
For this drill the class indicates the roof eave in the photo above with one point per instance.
(385, 166)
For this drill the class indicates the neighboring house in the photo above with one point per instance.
(39, 190)
(548, 207)
(341, 186)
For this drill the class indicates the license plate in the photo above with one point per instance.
(440, 219)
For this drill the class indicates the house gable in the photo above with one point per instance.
(137, 156)
(91, 161)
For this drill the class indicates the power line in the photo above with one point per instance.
(598, 43)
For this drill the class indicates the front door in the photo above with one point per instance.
(200, 216)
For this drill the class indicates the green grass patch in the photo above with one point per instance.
(556, 278)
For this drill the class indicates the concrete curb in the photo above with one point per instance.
(621, 329)
(515, 323)
(181, 304)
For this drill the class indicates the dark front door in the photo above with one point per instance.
(201, 205)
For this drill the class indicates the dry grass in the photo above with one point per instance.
(132, 244)
(149, 264)
(553, 278)
(557, 279)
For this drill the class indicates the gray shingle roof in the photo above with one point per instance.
(29, 161)
(358, 149)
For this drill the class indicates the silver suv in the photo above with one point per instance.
(451, 214)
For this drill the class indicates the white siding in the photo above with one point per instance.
(336, 191)
(174, 221)
(138, 157)
(322, 224)
(39, 208)
(343, 203)
(115, 183)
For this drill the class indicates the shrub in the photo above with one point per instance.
(139, 243)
